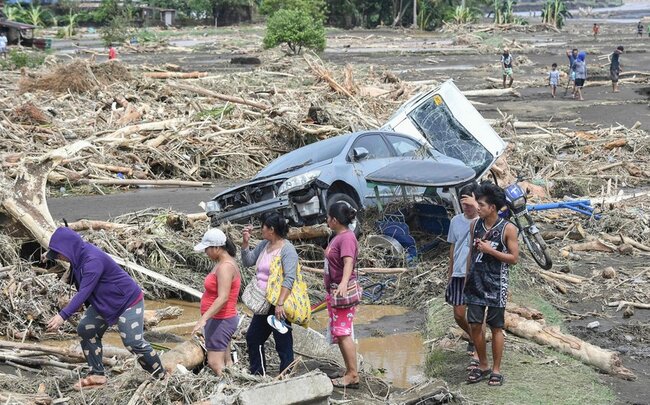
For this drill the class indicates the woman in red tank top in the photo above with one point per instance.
(219, 318)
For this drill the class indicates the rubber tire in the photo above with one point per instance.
(341, 197)
(538, 250)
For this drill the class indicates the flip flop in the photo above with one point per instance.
(477, 375)
(338, 383)
(278, 324)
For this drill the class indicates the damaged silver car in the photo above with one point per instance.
(440, 125)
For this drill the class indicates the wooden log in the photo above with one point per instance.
(214, 94)
(111, 168)
(158, 277)
(555, 283)
(86, 224)
(621, 304)
(188, 354)
(309, 232)
(525, 312)
(363, 270)
(153, 317)
(175, 75)
(139, 182)
(591, 246)
(173, 327)
(491, 93)
(605, 360)
(122, 133)
(65, 354)
(616, 143)
(564, 277)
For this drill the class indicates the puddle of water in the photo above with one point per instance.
(400, 356)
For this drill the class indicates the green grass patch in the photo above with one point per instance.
(526, 294)
(216, 113)
(528, 379)
(548, 377)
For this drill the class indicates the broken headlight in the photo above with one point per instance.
(299, 181)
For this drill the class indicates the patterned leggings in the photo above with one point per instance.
(92, 327)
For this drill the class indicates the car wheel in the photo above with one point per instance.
(351, 202)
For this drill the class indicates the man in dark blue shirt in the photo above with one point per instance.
(615, 67)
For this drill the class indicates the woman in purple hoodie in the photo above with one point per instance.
(111, 296)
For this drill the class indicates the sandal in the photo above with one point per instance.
(477, 375)
(496, 380)
(338, 383)
(473, 364)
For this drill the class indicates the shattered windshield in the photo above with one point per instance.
(447, 136)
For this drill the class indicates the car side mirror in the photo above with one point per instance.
(359, 153)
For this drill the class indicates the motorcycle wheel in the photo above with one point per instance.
(537, 248)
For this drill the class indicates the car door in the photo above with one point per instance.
(379, 155)
(451, 124)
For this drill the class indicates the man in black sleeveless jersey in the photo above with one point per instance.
(494, 247)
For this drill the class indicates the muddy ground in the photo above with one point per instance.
(415, 56)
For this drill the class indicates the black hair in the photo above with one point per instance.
(230, 247)
(554, 65)
(620, 48)
(493, 194)
(277, 222)
(469, 189)
(342, 212)
(574, 50)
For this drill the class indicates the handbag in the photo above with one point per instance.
(255, 299)
(297, 306)
(352, 297)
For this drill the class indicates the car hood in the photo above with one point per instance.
(445, 119)
(422, 173)
(274, 178)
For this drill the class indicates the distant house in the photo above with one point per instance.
(147, 16)
(18, 33)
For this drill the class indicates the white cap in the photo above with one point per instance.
(213, 237)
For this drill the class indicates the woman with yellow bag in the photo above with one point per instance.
(276, 263)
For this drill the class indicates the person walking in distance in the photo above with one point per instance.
(580, 66)
(494, 247)
(615, 67)
(506, 67)
(554, 79)
(573, 56)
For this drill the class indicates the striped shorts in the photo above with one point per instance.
(454, 292)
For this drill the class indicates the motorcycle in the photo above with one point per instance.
(516, 212)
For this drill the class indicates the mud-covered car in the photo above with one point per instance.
(303, 183)
(441, 125)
